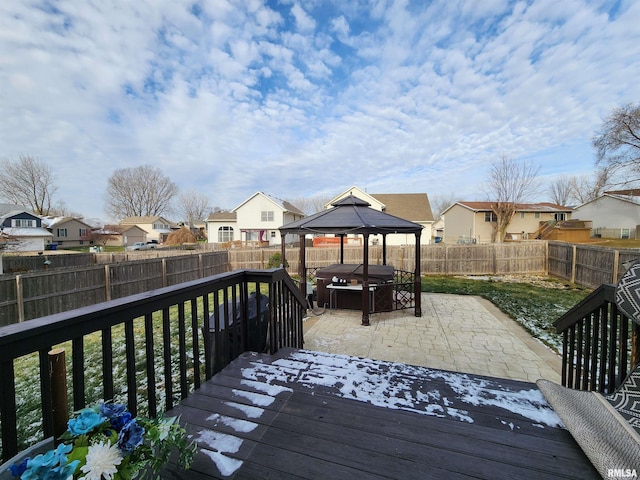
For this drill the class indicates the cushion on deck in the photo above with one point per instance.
(606, 438)
(626, 400)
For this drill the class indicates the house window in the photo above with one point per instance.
(273, 234)
(521, 214)
(490, 217)
(536, 215)
(625, 233)
(266, 216)
(23, 223)
(61, 232)
(225, 234)
(83, 232)
(161, 226)
(560, 217)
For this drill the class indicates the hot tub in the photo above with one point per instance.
(379, 275)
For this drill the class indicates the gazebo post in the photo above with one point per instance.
(342, 249)
(283, 250)
(302, 266)
(417, 290)
(365, 281)
(384, 248)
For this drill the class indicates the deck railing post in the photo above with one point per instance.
(60, 407)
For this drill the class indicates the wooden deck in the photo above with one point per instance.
(312, 415)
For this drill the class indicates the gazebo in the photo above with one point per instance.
(354, 216)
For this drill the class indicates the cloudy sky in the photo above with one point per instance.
(306, 98)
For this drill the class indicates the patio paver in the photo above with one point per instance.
(455, 332)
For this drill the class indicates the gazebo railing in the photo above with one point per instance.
(403, 290)
(403, 286)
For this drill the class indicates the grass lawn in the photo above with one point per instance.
(534, 302)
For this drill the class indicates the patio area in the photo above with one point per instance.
(455, 332)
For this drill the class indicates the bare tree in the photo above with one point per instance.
(192, 206)
(140, 191)
(440, 202)
(29, 182)
(510, 183)
(61, 210)
(561, 190)
(310, 205)
(585, 188)
(617, 143)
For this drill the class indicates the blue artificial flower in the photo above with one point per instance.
(86, 421)
(116, 413)
(17, 470)
(131, 437)
(51, 465)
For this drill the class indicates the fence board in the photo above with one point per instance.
(594, 265)
(182, 269)
(214, 263)
(24, 263)
(8, 300)
(561, 259)
(129, 278)
(61, 290)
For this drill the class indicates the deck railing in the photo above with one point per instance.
(148, 350)
(600, 345)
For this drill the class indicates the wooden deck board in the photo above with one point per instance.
(282, 417)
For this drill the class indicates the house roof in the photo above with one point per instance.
(632, 192)
(520, 207)
(410, 206)
(143, 220)
(621, 195)
(51, 222)
(351, 215)
(222, 216)
(283, 204)
(15, 212)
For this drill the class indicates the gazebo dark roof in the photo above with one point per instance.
(351, 215)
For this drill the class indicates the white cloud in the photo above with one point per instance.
(394, 97)
(304, 22)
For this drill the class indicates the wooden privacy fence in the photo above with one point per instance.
(12, 263)
(31, 295)
(37, 294)
(587, 265)
(493, 259)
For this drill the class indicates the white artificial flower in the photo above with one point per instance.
(102, 461)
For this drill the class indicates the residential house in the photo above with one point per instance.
(255, 221)
(414, 207)
(475, 222)
(24, 229)
(156, 228)
(118, 235)
(68, 231)
(615, 214)
(222, 227)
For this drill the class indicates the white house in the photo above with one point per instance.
(414, 207)
(22, 230)
(256, 220)
(615, 214)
